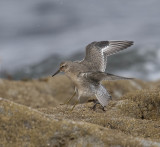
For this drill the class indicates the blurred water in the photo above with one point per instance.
(35, 35)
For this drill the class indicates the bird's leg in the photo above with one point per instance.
(75, 104)
(69, 98)
(95, 104)
(103, 108)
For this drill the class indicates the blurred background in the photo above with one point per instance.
(36, 35)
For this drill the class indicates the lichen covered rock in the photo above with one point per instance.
(31, 115)
(23, 126)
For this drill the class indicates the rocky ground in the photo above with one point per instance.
(31, 114)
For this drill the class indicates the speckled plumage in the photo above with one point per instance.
(88, 73)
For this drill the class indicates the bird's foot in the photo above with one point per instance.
(103, 109)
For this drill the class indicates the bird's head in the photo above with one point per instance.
(64, 67)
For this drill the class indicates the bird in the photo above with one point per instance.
(88, 73)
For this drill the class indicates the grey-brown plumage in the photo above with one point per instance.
(97, 52)
(88, 73)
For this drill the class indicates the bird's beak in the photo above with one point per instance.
(56, 72)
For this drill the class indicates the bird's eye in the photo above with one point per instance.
(62, 66)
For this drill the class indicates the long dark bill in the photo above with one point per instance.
(56, 72)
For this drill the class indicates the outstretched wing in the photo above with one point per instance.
(97, 52)
(100, 76)
(102, 95)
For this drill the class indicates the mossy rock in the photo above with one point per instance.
(23, 126)
(115, 117)
(143, 104)
(50, 92)
(31, 114)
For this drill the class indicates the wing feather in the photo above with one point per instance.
(97, 52)
(116, 46)
(100, 76)
(102, 95)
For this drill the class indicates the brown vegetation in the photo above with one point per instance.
(30, 115)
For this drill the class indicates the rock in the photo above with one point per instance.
(37, 93)
(47, 92)
(31, 115)
(122, 115)
(23, 126)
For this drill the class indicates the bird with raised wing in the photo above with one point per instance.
(88, 73)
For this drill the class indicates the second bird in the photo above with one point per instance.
(88, 73)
